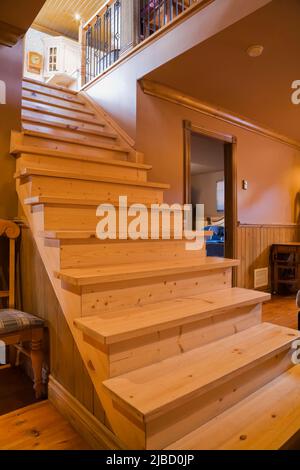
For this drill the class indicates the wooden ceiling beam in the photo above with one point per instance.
(10, 34)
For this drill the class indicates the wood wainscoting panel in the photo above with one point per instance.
(98, 436)
(253, 248)
(39, 299)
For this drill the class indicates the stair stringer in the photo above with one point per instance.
(70, 303)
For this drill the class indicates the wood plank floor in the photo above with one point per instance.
(281, 311)
(38, 427)
(16, 390)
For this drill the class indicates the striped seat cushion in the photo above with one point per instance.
(12, 321)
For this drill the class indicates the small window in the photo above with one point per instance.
(53, 59)
(220, 196)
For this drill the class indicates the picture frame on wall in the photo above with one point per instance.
(34, 62)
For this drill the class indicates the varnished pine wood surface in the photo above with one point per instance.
(38, 427)
(281, 311)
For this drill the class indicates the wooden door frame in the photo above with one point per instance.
(231, 180)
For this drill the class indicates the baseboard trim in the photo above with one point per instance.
(98, 436)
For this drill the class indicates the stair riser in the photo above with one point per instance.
(67, 217)
(47, 120)
(135, 353)
(77, 149)
(96, 253)
(56, 133)
(35, 96)
(81, 167)
(173, 425)
(51, 92)
(126, 294)
(47, 109)
(91, 190)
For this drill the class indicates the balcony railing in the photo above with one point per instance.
(157, 13)
(101, 41)
(105, 35)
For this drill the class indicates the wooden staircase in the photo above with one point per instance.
(178, 358)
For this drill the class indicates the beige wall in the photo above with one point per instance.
(116, 91)
(10, 118)
(204, 191)
(271, 168)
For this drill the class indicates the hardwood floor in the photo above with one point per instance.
(38, 427)
(281, 311)
(16, 390)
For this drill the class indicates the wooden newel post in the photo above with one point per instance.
(130, 24)
(82, 42)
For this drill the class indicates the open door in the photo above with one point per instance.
(210, 179)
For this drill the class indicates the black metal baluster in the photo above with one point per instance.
(171, 10)
(165, 11)
(154, 16)
(143, 19)
(118, 28)
(101, 45)
(177, 6)
(93, 51)
(89, 54)
(114, 31)
(159, 13)
(97, 46)
(105, 42)
(110, 34)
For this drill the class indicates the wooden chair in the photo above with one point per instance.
(18, 327)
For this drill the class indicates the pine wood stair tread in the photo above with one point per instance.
(60, 121)
(69, 127)
(37, 97)
(31, 149)
(47, 85)
(266, 420)
(63, 95)
(89, 143)
(68, 234)
(51, 110)
(113, 327)
(154, 390)
(104, 179)
(134, 271)
(72, 201)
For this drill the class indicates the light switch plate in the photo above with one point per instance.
(245, 185)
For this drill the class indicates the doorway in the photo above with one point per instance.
(210, 179)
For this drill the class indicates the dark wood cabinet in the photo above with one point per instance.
(285, 262)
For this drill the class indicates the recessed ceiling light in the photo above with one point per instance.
(77, 17)
(255, 51)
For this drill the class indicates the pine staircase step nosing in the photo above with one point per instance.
(69, 127)
(48, 85)
(52, 110)
(78, 108)
(142, 320)
(30, 149)
(77, 201)
(90, 143)
(68, 97)
(265, 420)
(25, 172)
(90, 276)
(154, 390)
